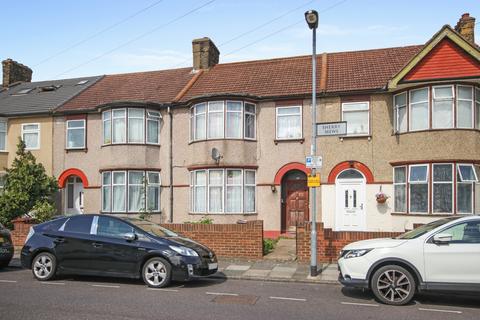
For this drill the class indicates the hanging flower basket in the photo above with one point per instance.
(381, 197)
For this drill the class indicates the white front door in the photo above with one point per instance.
(74, 196)
(350, 215)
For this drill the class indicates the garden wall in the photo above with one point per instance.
(329, 242)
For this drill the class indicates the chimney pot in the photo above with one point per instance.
(466, 27)
(205, 54)
(15, 72)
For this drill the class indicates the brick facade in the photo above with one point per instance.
(227, 240)
(329, 242)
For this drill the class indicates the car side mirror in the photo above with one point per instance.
(130, 236)
(442, 238)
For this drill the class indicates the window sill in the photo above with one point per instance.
(3, 151)
(425, 214)
(435, 130)
(277, 141)
(222, 214)
(360, 136)
(223, 139)
(76, 150)
(130, 144)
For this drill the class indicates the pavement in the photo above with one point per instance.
(261, 270)
(67, 297)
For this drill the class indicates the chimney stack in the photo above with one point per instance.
(466, 27)
(205, 54)
(15, 72)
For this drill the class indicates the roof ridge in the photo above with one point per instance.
(145, 72)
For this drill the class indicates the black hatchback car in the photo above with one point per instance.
(103, 245)
(6, 247)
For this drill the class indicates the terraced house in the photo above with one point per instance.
(229, 141)
(26, 111)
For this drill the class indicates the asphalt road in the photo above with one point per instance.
(22, 297)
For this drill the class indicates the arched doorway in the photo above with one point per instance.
(294, 200)
(350, 185)
(73, 181)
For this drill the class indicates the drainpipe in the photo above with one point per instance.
(170, 117)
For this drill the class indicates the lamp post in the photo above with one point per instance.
(311, 16)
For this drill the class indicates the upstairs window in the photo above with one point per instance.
(131, 125)
(442, 109)
(465, 108)
(289, 122)
(419, 118)
(31, 135)
(76, 134)
(357, 115)
(222, 120)
(400, 111)
(3, 134)
(477, 108)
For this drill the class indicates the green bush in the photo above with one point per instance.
(43, 211)
(203, 220)
(269, 245)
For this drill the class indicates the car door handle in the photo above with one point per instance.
(97, 245)
(59, 240)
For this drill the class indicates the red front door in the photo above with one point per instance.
(296, 203)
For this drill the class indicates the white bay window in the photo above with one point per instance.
(442, 188)
(223, 120)
(477, 108)
(400, 112)
(466, 179)
(465, 107)
(224, 190)
(136, 125)
(400, 189)
(419, 118)
(418, 188)
(442, 108)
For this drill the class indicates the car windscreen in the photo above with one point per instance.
(152, 228)
(420, 231)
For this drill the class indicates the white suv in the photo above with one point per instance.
(443, 255)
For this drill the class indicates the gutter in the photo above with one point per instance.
(170, 151)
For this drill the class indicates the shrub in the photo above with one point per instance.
(203, 220)
(269, 245)
(43, 211)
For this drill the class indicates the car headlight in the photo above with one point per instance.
(184, 251)
(355, 253)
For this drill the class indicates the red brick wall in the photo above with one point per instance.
(329, 242)
(227, 240)
(21, 226)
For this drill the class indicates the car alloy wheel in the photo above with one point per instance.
(157, 273)
(393, 285)
(44, 266)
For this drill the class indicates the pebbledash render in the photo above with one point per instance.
(228, 141)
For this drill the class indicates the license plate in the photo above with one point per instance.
(212, 266)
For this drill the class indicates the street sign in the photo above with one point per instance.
(332, 129)
(313, 181)
(314, 162)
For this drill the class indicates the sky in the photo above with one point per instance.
(66, 39)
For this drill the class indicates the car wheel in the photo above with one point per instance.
(157, 272)
(393, 285)
(44, 266)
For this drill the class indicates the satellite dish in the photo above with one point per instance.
(216, 155)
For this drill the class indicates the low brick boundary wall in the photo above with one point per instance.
(21, 226)
(227, 240)
(329, 242)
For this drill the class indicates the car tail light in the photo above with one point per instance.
(30, 234)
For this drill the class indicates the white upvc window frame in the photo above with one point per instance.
(286, 115)
(471, 182)
(367, 110)
(127, 125)
(426, 181)
(196, 114)
(194, 185)
(476, 107)
(452, 106)
(254, 185)
(125, 185)
(395, 183)
(125, 117)
(241, 185)
(142, 184)
(105, 119)
(460, 172)
(428, 127)
(254, 114)
(84, 128)
(209, 185)
(472, 104)
(109, 185)
(29, 131)
(396, 112)
(222, 112)
(152, 116)
(242, 119)
(452, 182)
(159, 185)
(5, 121)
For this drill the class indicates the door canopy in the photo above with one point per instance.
(62, 179)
